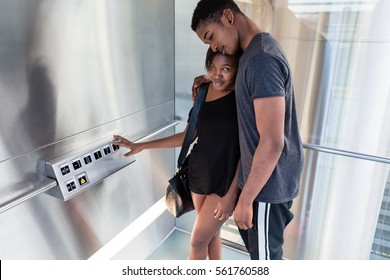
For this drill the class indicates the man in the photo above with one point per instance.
(270, 145)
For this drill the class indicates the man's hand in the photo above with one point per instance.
(243, 214)
(198, 81)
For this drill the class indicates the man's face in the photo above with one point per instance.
(222, 37)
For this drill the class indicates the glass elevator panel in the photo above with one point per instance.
(338, 52)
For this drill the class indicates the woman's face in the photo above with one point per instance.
(222, 71)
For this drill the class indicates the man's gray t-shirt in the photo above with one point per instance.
(264, 72)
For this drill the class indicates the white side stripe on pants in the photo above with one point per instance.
(263, 227)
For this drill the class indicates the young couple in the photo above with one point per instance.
(248, 157)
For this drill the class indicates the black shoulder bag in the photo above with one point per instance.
(178, 195)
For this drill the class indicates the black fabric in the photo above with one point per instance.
(178, 197)
(276, 218)
(215, 156)
(192, 124)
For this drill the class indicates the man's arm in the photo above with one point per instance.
(269, 113)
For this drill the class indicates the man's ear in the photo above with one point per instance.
(228, 16)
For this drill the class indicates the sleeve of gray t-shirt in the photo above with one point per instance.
(266, 76)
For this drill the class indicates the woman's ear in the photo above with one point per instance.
(228, 16)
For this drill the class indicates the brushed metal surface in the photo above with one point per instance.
(79, 62)
(72, 72)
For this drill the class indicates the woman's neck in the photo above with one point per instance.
(214, 94)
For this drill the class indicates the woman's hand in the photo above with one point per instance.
(198, 81)
(123, 142)
(224, 208)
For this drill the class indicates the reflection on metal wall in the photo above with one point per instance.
(381, 244)
(72, 72)
(339, 53)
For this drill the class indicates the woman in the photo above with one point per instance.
(213, 159)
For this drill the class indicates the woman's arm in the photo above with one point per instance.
(227, 203)
(172, 141)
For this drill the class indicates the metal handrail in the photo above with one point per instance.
(27, 195)
(51, 183)
(319, 148)
(161, 130)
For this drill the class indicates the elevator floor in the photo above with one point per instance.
(176, 247)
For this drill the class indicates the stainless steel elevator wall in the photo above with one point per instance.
(72, 72)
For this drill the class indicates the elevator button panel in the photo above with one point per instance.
(79, 170)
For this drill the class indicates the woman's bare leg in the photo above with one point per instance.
(205, 239)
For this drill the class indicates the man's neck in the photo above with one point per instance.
(247, 29)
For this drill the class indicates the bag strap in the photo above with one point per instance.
(192, 124)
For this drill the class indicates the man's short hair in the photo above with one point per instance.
(211, 11)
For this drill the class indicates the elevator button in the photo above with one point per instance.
(87, 159)
(70, 185)
(106, 150)
(97, 154)
(82, 179)
(64, 169)
(76, 164)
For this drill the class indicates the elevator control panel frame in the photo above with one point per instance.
(79, 170)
